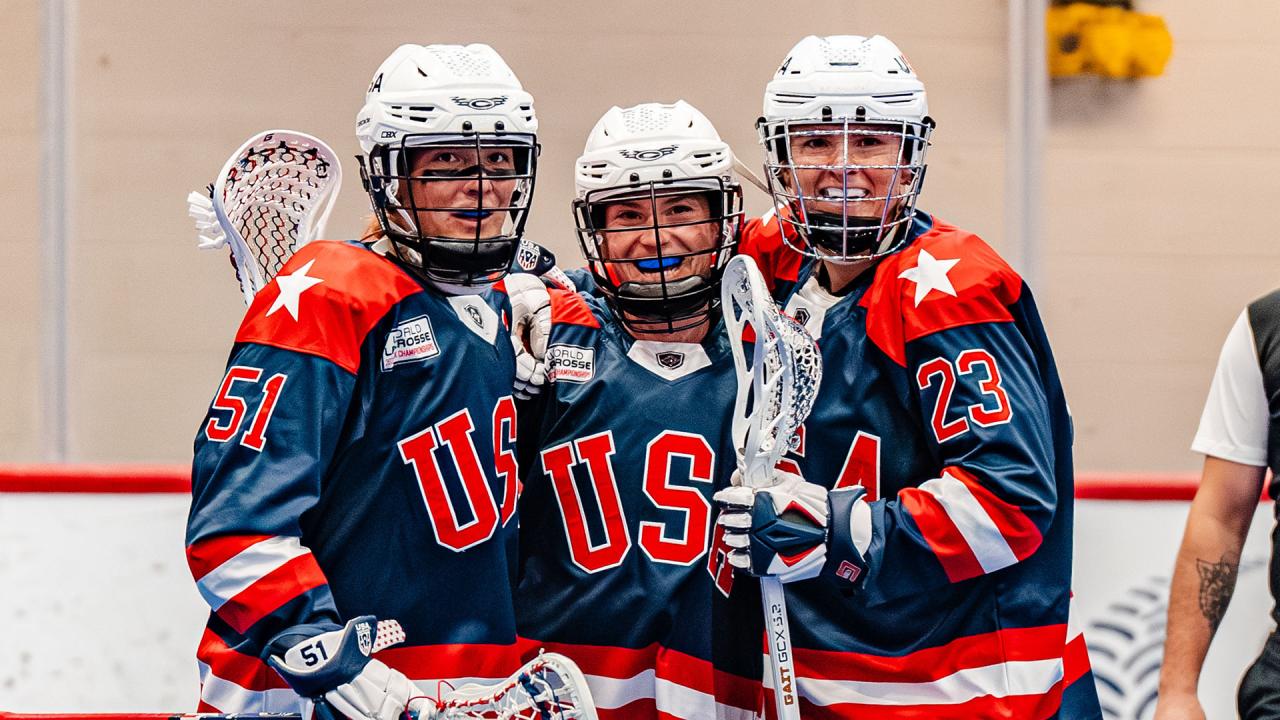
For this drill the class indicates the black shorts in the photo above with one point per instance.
(1259, 696)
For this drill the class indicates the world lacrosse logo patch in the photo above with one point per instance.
(570, 363)
(410, 341)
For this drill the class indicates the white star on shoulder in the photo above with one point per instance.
(291, 288)
(930, 274)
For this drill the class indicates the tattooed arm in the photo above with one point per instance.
(1204, 578)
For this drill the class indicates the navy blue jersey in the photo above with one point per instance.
(618, 569)
(940, 396)
(358, 458)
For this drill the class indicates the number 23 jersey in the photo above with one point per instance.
(940, 396)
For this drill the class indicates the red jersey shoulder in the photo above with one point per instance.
(945, 278)
(762, 240)
(570, 308)
(325, 300)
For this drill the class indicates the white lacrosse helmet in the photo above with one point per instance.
(845, 93)
(462, 98)
(650, 156)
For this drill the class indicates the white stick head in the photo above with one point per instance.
(273, 196)
(777, 389)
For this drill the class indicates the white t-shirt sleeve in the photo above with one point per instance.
(1236, 417)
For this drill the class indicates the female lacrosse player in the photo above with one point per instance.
(618, 568)
(358, 457)
(940, 429)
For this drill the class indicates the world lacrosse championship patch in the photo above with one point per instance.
(570, 363)
(410, 341)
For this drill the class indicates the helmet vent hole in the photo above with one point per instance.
(842, 56)
(462, 63)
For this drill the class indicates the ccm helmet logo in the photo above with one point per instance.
(480, 103)
(388, 134)
(648, 155)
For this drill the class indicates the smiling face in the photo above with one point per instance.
(682, 225)
(466, 207)
(853, 173)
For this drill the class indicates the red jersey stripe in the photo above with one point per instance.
(1019, 531)
(247, 671)
(274, 589)
(204, 556)
(941, 533)
(466, 660)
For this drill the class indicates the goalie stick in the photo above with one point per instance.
(776, 391)
(548, 687)
(272, 196)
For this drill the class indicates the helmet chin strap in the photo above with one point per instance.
(845, 236)
(412, 258)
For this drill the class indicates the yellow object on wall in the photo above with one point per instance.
(1114, 42)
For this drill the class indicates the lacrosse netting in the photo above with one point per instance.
(273, 195)
(776, 391)
(549, 687)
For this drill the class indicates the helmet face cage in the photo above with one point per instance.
(480, 158)
(839, 231)
(670, 299)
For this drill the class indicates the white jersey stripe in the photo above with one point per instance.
(1008, 679)
(247, 567)
(979, 530)
(669, 697)
(229, 697)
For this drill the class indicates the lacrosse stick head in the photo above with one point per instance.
(778, 385)
(273, 195)
(549, 687)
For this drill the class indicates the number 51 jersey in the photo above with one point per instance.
(618, 570)
(358, 459)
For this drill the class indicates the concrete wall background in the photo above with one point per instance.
(1152, 188)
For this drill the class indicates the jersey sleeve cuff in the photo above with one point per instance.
(849, 516)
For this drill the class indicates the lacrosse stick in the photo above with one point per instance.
(548, 687)
(775, 394)
(272, 197)
(746, 172)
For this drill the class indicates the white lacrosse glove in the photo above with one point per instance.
(779, 530)
(333, 667)
(530, 328)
